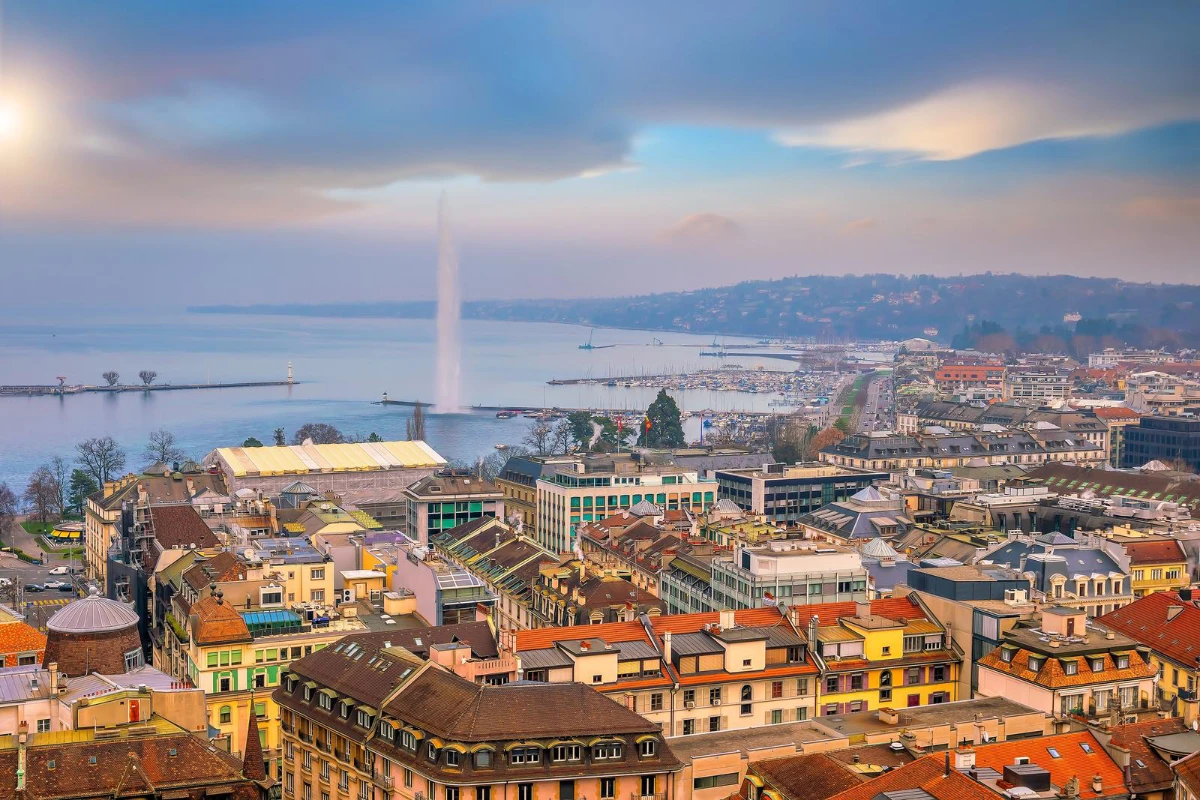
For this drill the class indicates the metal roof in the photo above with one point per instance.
(310, 458)
(92, 614)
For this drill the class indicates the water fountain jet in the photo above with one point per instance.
(448, 398)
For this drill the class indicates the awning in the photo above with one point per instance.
(477, 747)
(310, 684)
(514, 745)
(395, 723)
(649, 737)
(367, 709)
(603, 740)
(557, 742)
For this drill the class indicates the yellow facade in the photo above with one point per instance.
(1158, 578)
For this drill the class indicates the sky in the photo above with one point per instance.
(188, 153)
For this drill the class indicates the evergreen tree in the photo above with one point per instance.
(81, 486)
(580, 423)
(662, 426)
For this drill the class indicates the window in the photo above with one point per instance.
(656, 701)
(224, 684)
(689, 696)
(483, 793)
(133, 660)
(451, 792)
(885, 695)
(608, 788)
(689, 727)
(408, 741)
(802, 686)
(318, 573)
(747, 694)
(431, 752)
(408, 778)
(648, 785)
(565, 752)
(325, 701)
(324, 770)
(887, 650)
(856, 683)
(566, 790)
(1035, 664)
(831, 683)
(776, 689)
(776, 716)
(714, 696)
(1070, 667)
(43, 725)
(524, 791)
(225, 715)
(1087, 748)
(1097, 665)
(801, 714)
(597, 679)
(714, 724)
(453, 758)
(483, 759)
(912, 675)
(713, 781)
(525, 755)
(364, 719)
(939, 674)
(607, 751)
(306, 759)
(1053, 752)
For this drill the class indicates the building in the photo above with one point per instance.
(1168, 624)
(517, 481)
(94, 634)
(1117, 418)
(940, 447)
(788, 571)
(927, 778)
(1089, 574)
(1039, 384)
(325, 467)
(367, 717)
(1071, 764)
(781, 493)
(978, 605)
(1167, 439)
(634, 545)
(865, 515)
(1013, 509)
(138, 762)
(1187, 777)
(593, 487)
(1145, 751)
(689, 673)
(449, 498)
(574, 593)
(1159, 393)
(977, 416)
(446, 591)
(1156, 564)
(21, 644)
(959, 375)
(1166, 486)
(1068, 667)
(882, 654)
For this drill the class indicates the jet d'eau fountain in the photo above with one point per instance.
(448, 398)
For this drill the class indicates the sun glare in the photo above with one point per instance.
(10, 121)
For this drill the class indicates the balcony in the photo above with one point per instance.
(655, 796)
(305, 736)
(382, 781)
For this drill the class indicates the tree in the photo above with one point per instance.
(826, 438)
(163, 447)
(791, 439)
(81, 487)
(842, 424)
(252, 442)
(111, 378)
(374, 437)
(280, 441)
(60, 468)
(147, 376)
(42, 494)
(101, 457)
(580, 425)
(662, 426)
(415, 426)
(319, 433)
(560, 438)
(539, 438)
(8, 508)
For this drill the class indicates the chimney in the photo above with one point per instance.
(946, 769)
(1097, 783)
(728, 618)
(862, 610)
(53, 668)
(964, 758)
(666, 647)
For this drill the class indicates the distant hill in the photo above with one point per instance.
(852, 307)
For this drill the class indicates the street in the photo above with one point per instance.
(877, 410)
(37, 607)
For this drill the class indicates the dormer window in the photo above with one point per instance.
(1122, 662)
(1070, 667)
(325, 701)
(308, 693)
(648, 748)
(1006, 655)
(345, 709)
(364, 719)
(387, 732)
(431, 752)
(1097, 665)
(1035, 664)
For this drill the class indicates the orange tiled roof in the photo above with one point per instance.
(1051, 674)
(928, 774)
(1188, 770)
(18, 637)
(1146, 621)
(611, 632)
(218, 623)
(1116, 412)
(790, 670)
(1156, 773)
(691, 623)
(1073, 761)
(830, 613)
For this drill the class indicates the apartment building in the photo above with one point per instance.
(1168, 625)
(781, 493)
(368, 719)
(941, 448)
(1036, 384)
(449, 498)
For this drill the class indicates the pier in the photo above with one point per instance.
(56, 390)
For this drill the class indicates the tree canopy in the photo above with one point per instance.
(662, 426)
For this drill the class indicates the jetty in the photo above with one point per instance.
(60, 390)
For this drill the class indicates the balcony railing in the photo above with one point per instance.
(655, 796)
(382, 781)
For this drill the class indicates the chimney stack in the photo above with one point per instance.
(666, 647)
(728, 618)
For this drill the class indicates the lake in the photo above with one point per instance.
(343, 365)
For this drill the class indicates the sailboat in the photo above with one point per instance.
(589, 346)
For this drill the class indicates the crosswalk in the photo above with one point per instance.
(57, 602)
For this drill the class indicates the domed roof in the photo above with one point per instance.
(92, 614)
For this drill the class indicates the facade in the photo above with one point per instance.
(690, 673)
(1067, 667)
(447, 499)
(94, 634)
(1165, 439)
(371, 720)
(446, 591)
(1037, 384)
(575, 593)
(1117, 418)
(941, 448)
(591, 488)
(956, 376)
(781, 493)
(325, 467)
(1089, 574)
(789, 571)
(517, 481)
(1168, 624)
(1156, 565)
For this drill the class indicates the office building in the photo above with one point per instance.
(781, 493)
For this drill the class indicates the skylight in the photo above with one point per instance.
(1053, 752)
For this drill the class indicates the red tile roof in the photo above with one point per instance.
(811, 777)
(1188, 770)
(1116, 412)
(611, 632)
(1155, 551)
(1156, 775)
(928, 774)
(1073, 761)
(16, 638)
(1146, 621)
(1051, 674)
(830, 613)
(691, 623)
(217, 622)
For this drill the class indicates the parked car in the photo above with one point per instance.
(56, 584)
(76, 570)
(34, 587)
(66, 587)
(59, 571)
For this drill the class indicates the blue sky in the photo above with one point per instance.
(286, 151)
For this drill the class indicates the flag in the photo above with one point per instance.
(620, 424)
(647, 423)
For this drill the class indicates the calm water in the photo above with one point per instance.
(344, 366)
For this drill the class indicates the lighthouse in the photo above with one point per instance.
(290, 379)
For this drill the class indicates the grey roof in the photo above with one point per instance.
(645, 508)
(727, 506)
(635, 649)
(878, 548)
(1047, 560)
(779, 636)
(887, 576)
(1054, 538)
(16, 684)
(544, 659)
(694, 644)
(92, 614)
(298, 487)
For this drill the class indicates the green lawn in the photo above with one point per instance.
(36, 528)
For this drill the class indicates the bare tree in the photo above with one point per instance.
(319, 433)
(42, 494)
(561, 437)
(147, 376)
(101, 457)
(415, 427)
(490, 466)
(8, 509)
(111, 378)
(60, 468)
(163, 447)
(540, 438)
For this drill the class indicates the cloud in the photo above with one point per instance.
(1163, 208)
(860, 225)
(966, 120)
(703, 229)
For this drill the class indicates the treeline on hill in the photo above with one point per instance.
(845, 307)
(1086, 336)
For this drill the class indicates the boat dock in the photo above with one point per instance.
(61, 390)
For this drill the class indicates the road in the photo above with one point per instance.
(878, 410)
(37, 606)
